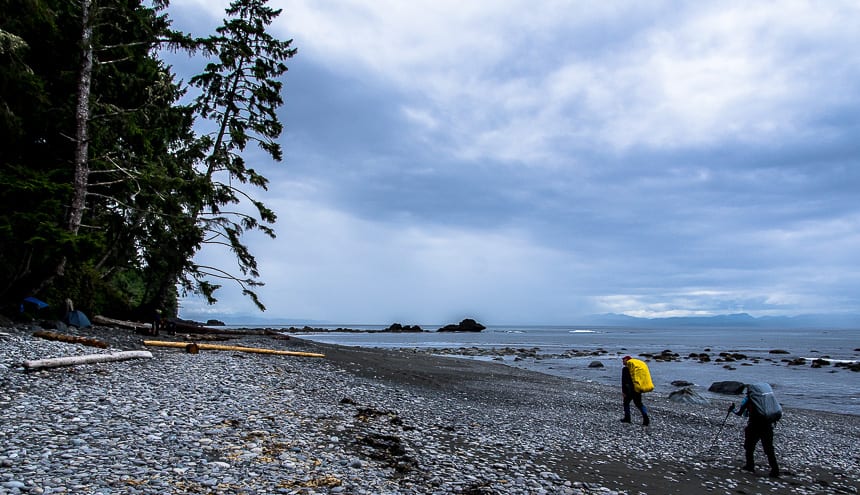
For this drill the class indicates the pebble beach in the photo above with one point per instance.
(369, 421)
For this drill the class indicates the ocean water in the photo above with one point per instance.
(827, 388)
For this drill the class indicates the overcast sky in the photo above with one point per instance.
(532, 162)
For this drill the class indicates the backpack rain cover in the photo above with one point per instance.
(640, 375)
(761, 398)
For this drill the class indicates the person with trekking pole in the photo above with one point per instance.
(763, 410)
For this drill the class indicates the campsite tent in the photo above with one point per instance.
(35, 302)
(77, 319)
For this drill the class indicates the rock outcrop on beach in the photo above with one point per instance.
(688, 396)
(467, 325)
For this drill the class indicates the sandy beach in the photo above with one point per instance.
(370, 421)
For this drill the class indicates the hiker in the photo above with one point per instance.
(156, 323)
(763, 410)
(630, 393)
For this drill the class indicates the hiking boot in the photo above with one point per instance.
(646, 421)
(625, 419)
(774, 474)
(749, 468)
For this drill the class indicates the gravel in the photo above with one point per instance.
(367, 421)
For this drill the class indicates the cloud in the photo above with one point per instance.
(510, 81)
(525, 162)
(333, 266)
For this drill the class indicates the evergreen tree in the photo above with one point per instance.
(240, 95)
(93, 176)
(108, 191)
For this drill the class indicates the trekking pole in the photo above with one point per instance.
(725, 420)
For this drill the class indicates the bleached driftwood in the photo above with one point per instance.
(71, 339)
(103, 320)
(86, 359)
(216, 347)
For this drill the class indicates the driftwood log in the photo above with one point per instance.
(71, 339)
(110, 322)
(217, 347)
(177, 325)
(87, 359)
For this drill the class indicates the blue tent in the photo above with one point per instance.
(78, 319)
(36, 302)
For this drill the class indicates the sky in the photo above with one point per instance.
(523, 162)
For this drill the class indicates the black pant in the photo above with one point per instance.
(754, 432)
(636, 398)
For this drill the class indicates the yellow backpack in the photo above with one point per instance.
(640, 375)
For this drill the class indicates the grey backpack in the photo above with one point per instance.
(762, 400)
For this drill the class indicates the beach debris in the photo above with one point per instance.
(682, 383)
(386, 448)
(217, 347)
(478, 488)
(71, 339)
(727, 387)
(326, 481)
(86, 359)
(595, 364)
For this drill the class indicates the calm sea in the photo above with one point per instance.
(827, 388)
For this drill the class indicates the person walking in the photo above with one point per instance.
(630, 394)
(762, 409)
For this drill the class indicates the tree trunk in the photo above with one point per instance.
(87, 359)
(82, 143)
(82, 120)
(110, 322)
(71, 339)
(216, 347)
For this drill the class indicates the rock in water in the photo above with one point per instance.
(729, 387)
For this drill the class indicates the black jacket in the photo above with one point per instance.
(626, 381)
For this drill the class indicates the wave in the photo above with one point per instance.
(831, 361)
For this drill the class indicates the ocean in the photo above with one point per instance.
(828, 388)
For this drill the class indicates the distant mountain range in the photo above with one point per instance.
(851, 321)
(731, 320)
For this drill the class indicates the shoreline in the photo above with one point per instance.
(819, 383)
(453, 425)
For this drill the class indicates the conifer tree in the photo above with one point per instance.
(108, 190)
(92, 166)
(239, 99)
